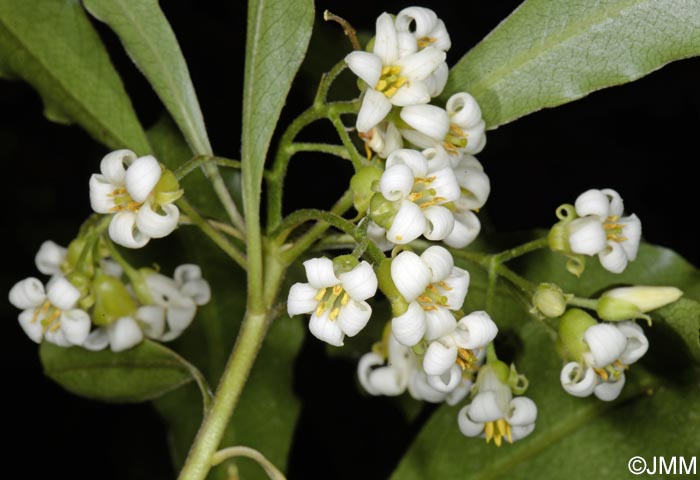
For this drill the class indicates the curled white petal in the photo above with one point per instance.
(606, 343)
(440, 36)
(396, 181)
(419, 65)
(101, 198)
(459, 393)
(637, 343)
(97, 340)
(418, 20)
(439, 358)
(61, 293)
(587, 236)
(368, 362)
(593, 202)
(437, 157)
(124, 334)
(27, 293)
(436, 81)
(325, 329)
(407, 44)
(418, 139)
(440, 262)
(179, 315)
(353, 317)
(413, 159)
(476, 330)
(31, 326)
(409, 328)
(152, 318)
(584, 386)
(414, 93)
(475, 184)
(365, 65)
(476, 138)
(155, 224)
(439, 222)
(163, 289)
(375, 107)
(523, 411)
(301, 299)
(445, 184)
(320, 272)
(410, 275)
(465, 230)
(419, 388)
(57, 337)
(408, 224)
(457, 286)
(386, 42)
(519, 432)
(463, 110)
(378, 235)
(632, 231)
(198, 290)
(75, 325)
(122, 230)
(616, 204)
(141, 177)
(609, 391)
(438, 322)
(484, 407)
(448, 381)
(613, 258)
(428, 119)
(467, 426)
(360, 282)
(113, 164)
(49, 258)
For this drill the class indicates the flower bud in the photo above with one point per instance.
(361, 185)
(627, 303)
(572, 326)
(549, 300)
(112, 300)
(383, 211)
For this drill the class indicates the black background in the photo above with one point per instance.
(640, 139)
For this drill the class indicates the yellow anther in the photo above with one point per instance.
(429, 308)
(425, 299)
(386, 70)
(40, 311)
(509, 434)
(620, 365)
(432, 202)
(390, 92)
(602, 373)
(117, 191)
(451, 149)
(444, 286)
(426, 41)
(368, 151)
(497, 440)
(334, 313)
(320, 295)
(346, 298)
(458, 131)
(320, 309)
(426, 180)
(337, 289)
(381, 85)
(400, 82)
(488, 430)
(501, 426)
(432, 288)
(55, 327)
(399, 237)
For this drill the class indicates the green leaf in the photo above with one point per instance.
(151, 44)
(53, 46)
(657, 414)
(549, 52)
(683, 317)
(136, 375)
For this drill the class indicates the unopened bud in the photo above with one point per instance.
(633, 302)
(572, 326)
(361, 185)
(112, 300)
(550, 300)
(383, 211)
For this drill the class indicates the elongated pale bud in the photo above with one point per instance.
(633, 302)
(549, 300)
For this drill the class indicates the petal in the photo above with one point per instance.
(445, 184)
(418, 20)
(439, 222)
(154, 224)
(476, 138)
(476, 330)
(436, 81)
(397, 181)
(523, 411)
(587, 236)
(365, 65)
(389, 381)
(375, 107)
(320, 273)
(521, 431)
(438, 158)
(386, 42)
(418, 66)
(410, 275)
(419, 388)
(616, 204)
(365, 366)
(57, 338)
(124, 334)
(27, 293)
(468, 427)
(33, 329)
(101, 198)
(428, 120)
(152, 318)
(61, 293)
(392, 140)
(613, 258)
(407, 44)
(465, 230)
(409, 328)
(584, 387)
(463, 110)
(400, 356)
(198, 290)
(50, 257)
(632, 231)
(457, 286)
(414, 160)
(162, 289)
(637, 343)
(301, 299)
(323, 328)
(593, 202)
(460, 392)
(122, 230)
(412, 93)
(75, 325)
(378, 235)
(484, 408)
(609, 391)
(360, 282)
(442, 38)
(418, 139)
(606, 343)
(113, 164)
(408, 224)
(439, 322)
(142, 176)
(448, 381)
(353, 317)
(439, 358)
(97, 340)
(475, 184)
(440, 262)
(179, 315)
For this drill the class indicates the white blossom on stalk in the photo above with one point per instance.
(49, 258)
(425, 26)
(392, 74)
(127, 188)
(612, 348)
(418, 193)
(494, 414)
(603, 231)
(383, 139)
(434, 288)
(336, 302)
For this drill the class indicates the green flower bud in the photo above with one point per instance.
(344, 263)
(383, 211)
(627, 303)
(112, 300)
(550, 300)
(361, 185)
(572, 326)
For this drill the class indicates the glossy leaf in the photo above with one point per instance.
(151, 44)
(53, 46)
(549, 52)
(142, 373)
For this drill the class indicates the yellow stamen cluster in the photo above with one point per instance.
(455, 139)
(123, 201)
(611, 371)
(427, 196)
(332, 299)
(50, 316)
(466, 359)
(614, 229)
(431, 298)
(497, 431)
(390, 81)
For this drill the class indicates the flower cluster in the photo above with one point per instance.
(140, 193)
(85, 302)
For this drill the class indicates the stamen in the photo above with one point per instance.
(425, 41)
(320, 294)
(334, 313)
(488, 430)
(458, 131)
(426, 180)
(602, 373)
(509, 434)
(40, 311)
(444, 286)
(345, 299)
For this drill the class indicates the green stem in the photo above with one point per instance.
(231, 452)
(523, 284)
(520, 250)
(195, 162)
(337, 150)
(221, 241)
(220, 226)
(355, 157)
(589, 303)
(326, 81)
(224, 195)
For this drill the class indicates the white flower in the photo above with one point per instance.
(50, 313)
(122, 334)
(425, 26)
(418, 192)
(394, 73)
(603, 231)
(380, 376)
(433, 288)
(458, 128)
(494, 414)
(49, 258)
(125, 187)
(612, 348)
(383, 139)
(336, 303)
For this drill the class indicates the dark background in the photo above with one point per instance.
(640, 139)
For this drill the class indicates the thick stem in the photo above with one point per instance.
(241, 451)
(520, 250)
(224, 195)
(194, 163)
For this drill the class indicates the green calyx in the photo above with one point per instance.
(361, 185)
(344, 263)
(112, 300)
(572, 326)
(167, 190)
(383, 211)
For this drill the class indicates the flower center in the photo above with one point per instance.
(466, 359)
(423, 195)
(123, 201)
(48, 316)
(614, 229)
(455, 139)
(332, 299)
(390, 81)
(497, 430)
(612, 371)
(431, 298)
